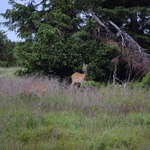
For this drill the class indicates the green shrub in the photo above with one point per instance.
(146, 80)
(90, 84)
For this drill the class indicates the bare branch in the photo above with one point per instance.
(114, 25)
(127, 38)
(102, 24)
(96, 18)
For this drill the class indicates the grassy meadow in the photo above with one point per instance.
(104, 118)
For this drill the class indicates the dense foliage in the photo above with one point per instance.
(6, 51)
(146, 81)
(60, 35)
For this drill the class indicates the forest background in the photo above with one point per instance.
(58, 36)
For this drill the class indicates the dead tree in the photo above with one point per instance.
(132, 53)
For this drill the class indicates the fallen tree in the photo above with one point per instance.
(132, 54)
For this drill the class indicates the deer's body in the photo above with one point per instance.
(37, 89)
(78, 78)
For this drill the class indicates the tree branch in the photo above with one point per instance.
(126, 38)
(96, 18)
(102, 24)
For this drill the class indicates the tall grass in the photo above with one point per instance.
(92, 119)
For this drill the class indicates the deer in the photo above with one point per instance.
(78, 78)
(38, 89)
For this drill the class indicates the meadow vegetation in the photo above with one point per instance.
(99, 118)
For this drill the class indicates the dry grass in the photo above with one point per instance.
(108, 117)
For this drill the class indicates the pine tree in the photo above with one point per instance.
(59, 35)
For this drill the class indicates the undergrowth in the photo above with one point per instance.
(107, 117)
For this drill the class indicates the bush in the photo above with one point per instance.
(90, 84)
(146, 81)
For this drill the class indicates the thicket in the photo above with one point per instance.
(7, 58)
(59, 36)
(146, 81)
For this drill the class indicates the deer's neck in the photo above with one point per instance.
(85, 75)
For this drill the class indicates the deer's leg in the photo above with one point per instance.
(76, 86)
(72, 84)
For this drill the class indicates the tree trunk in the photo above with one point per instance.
(134, 24)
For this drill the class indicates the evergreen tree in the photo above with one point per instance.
(60, 35)
(6, 51)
